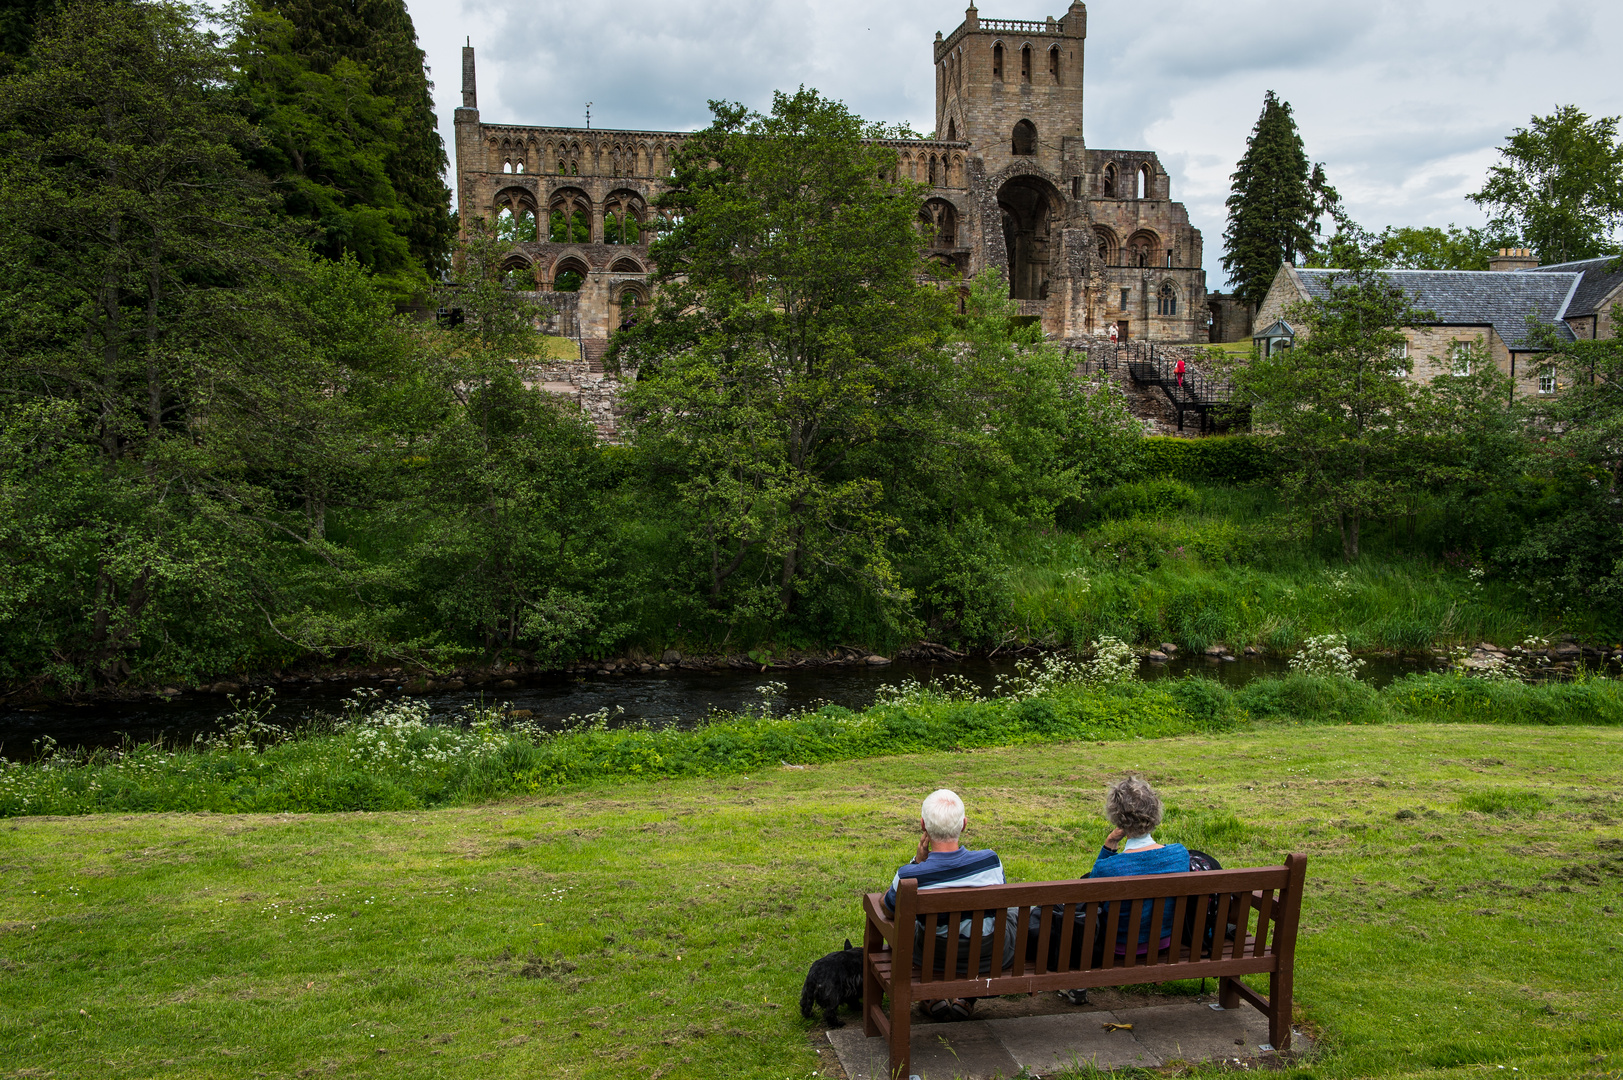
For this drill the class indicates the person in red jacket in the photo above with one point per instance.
(1179, 370)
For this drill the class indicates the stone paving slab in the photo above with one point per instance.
(992, 1049)
(967, 1049)
(1199, 1032)
(1047, 1044)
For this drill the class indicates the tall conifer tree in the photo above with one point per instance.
(1276, 203)
(379, 36)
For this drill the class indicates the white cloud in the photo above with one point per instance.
(1404, 102)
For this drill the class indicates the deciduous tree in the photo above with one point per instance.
(1559, 186)
(1341, 402)
(792, 328)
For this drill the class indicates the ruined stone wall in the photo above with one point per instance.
(595, 392)
(1087, 238)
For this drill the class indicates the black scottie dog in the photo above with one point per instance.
(834, 980)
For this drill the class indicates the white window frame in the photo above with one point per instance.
(1461, 356)
(1547, 383)
(1400, 353)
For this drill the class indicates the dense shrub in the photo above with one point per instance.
(1227, 459)
(1155, 495)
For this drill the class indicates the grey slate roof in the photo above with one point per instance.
(1500, 299)
(1598, 283)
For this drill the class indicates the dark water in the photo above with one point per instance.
(677, 696)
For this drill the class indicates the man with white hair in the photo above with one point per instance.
(940, 862)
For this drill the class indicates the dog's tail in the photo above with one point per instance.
(806, 999)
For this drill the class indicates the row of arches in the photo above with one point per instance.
(571, 217)
(1027, 59)
(571, 157)
(1142, 248)
(1113, 186)
(934, 167)
(568, 272)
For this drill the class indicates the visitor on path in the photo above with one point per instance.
(1179, 370)
(941, 862)
(1112, 333)
(1134, 810)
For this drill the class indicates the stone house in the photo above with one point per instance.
(1591, 313)
(1496, 310)
(1086, 238)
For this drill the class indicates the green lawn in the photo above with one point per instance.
(560, 348)
(1460, 916)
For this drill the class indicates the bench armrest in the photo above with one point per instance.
(873, 905)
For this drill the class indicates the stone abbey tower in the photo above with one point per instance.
(1087, 238)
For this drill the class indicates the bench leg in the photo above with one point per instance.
(1227, 995)
(872, 998)
(1279, 1009)
(901, 1029)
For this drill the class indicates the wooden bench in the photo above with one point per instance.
(1262, 904)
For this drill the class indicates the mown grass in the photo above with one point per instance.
(1461, 913)
(559, 348)
(1201, 564)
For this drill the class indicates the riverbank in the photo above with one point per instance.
(376, 753)
(1457, 876)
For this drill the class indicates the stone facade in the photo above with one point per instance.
(1087, 238)
(1480, 315)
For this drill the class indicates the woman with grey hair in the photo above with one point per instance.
(1134, 811)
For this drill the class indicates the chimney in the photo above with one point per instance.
(1513, 259)
(470, 92)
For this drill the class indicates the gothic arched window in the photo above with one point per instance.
(1167, 302)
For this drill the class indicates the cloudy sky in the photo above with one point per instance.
(1404, 102)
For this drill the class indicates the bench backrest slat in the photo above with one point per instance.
(1071, 909)
(1264, 923)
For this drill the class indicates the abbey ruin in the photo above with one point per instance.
(1088, 238)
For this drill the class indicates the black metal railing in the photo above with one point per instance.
(1214, 402)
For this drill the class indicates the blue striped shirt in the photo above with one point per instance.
(949, 870)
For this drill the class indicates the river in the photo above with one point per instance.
(677, 696)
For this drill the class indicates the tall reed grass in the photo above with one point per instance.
(1201, 564)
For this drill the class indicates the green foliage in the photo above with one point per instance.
(387, 755)
(326, 139)
(1236, 566)
(1431, 248)
(1141, 498)
(1559, 186)
(1341, 404)
(316, 70)
(1570, 552)
(1227, 459)
(1274, 210)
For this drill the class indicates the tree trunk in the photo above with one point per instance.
(1349, 535)
(791, 559)
(315, 509)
